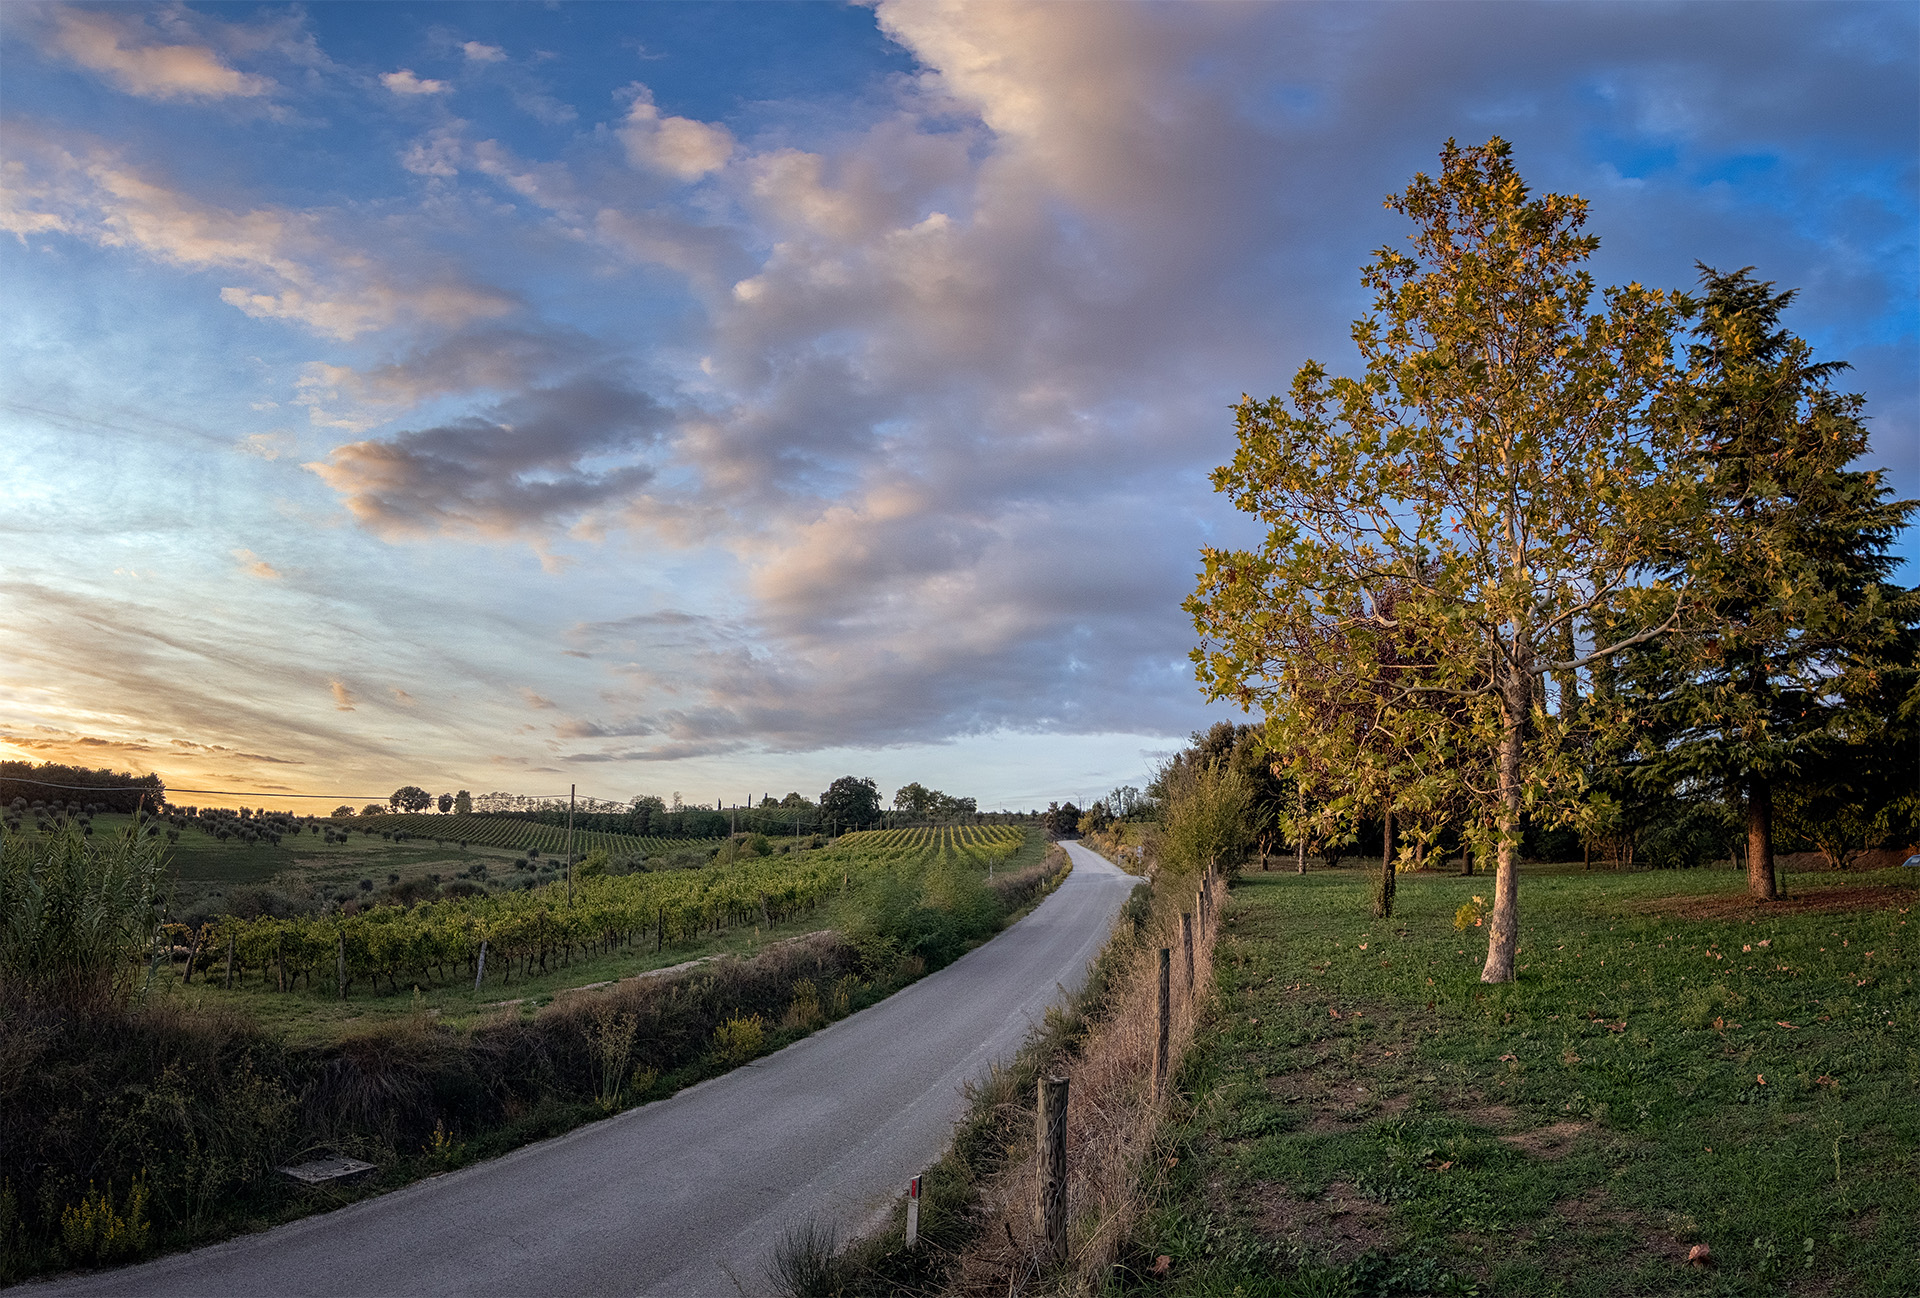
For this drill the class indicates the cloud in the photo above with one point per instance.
(479, 53)
(535, 461)
(401, 697)
(303, 272)
(676, 146)
(963, 405)
(254, 566)
(405, 83)
(126, 51)
(265, 446)
(437, 154)
(534, 700)
(343, 700)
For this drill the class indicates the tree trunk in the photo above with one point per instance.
(1383, 890)
(1300, 855)
(1760, 838)
(1503, 926)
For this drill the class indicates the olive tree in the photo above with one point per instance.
(1442, 523)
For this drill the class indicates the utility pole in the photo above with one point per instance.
(570, 789)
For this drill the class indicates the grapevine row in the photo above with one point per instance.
(530, 929)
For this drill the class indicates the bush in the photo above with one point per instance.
(739, 1039)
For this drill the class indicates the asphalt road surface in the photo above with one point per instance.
(689, 1195)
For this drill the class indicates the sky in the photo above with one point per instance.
(720, 399)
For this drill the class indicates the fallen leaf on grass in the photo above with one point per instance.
(1699, 1255)
(1782, 1023)
(1509, 1059)
(1824, 1080)
(1760, 1078)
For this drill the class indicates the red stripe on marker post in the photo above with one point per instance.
(913, 1212)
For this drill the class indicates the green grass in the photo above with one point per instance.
(1367, 1117)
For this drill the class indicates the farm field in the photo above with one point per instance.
(313, 867)
(1675, 1066)
(400, 961)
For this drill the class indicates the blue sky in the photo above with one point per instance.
(723, 398)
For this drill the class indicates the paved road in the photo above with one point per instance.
(689, 1195)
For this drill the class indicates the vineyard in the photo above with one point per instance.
(977, 843)
(517, 835)
(495, 936)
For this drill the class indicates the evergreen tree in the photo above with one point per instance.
(1800, 637)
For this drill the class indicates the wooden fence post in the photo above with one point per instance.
(340, 963)
(1186, 937)
(660, 931)
(1164, 1012)
(229, 962)
(192, 950)
(1050, 1207)
(480, 966)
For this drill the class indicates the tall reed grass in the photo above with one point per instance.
(76, 913)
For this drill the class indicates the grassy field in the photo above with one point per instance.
(1675, 1066)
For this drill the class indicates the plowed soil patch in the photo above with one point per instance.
(1813, 901)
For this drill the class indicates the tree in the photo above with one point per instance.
(851, 802)
(373, 809)
(463, 803)
(1062, 820)
(1799, 635)
(944, 806)
(1207, 813)
(915, 799)
(1495, 466)
(445, 803)
(410, 797)
(343, 810)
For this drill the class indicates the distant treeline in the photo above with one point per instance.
(689, 822)
(106, 790)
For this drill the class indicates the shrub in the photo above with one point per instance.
(92, 1231)
(739, 1039)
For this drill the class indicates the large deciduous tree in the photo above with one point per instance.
(852, 802)
(410, 797)
(1802, 661)
(1493, 468)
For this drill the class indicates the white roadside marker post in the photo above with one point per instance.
(913, 1212)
